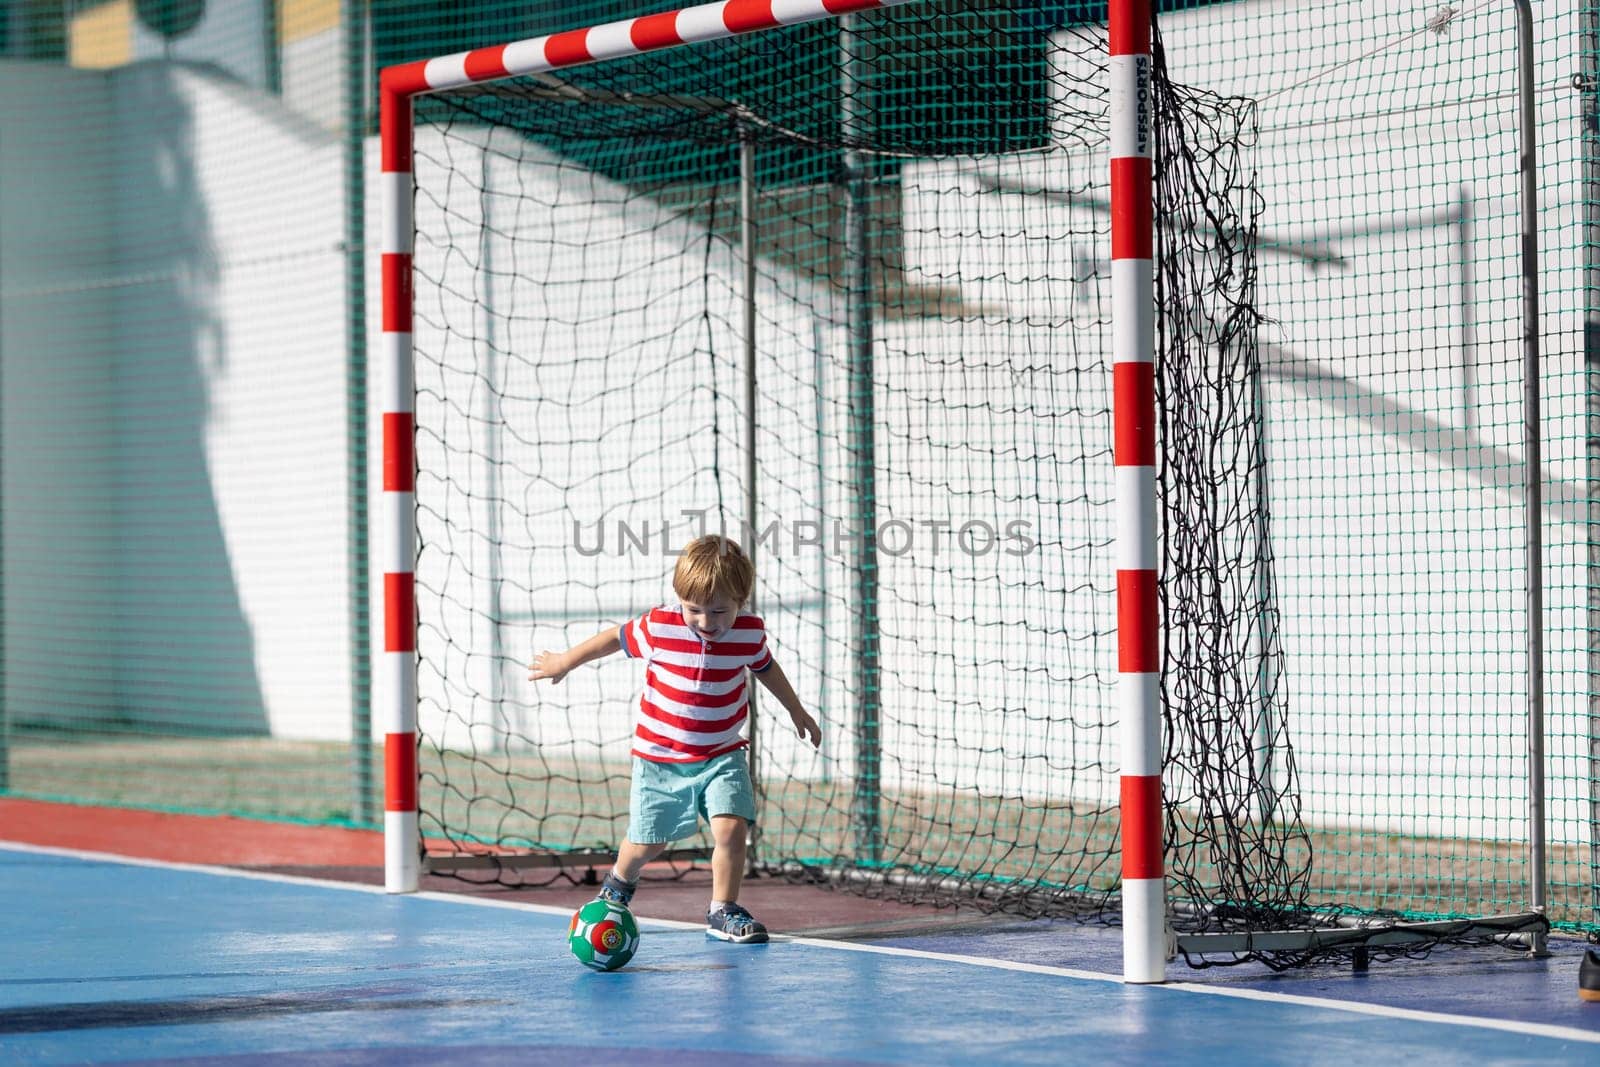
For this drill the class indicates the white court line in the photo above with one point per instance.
(1565, 1033)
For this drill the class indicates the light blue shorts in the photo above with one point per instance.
(668, 800)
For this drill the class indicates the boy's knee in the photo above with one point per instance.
(729, 829)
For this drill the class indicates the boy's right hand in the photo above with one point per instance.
(547, 664)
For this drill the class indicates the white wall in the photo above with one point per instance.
(1395, 480)
(57, 403)
(1396, 477)
(174, 372)
(275, 384)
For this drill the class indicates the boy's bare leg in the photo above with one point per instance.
(632, 857)
(727, 858)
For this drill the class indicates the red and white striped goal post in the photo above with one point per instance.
(1133, 415)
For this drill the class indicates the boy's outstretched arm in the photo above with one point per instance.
(557, 665)
(777, 683)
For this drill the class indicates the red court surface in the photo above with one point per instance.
(219, 840)
(357, 856)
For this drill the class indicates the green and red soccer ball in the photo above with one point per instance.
(603, 935)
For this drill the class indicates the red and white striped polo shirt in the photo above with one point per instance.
(695, 702)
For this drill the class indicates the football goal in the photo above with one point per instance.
(950, 318)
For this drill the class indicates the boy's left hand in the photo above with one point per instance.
(551, 665)
(806, 727)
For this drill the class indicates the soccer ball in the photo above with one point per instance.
(603, 935)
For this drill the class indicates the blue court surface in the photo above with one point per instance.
(111, 961)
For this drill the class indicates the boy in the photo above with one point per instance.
(688, 748)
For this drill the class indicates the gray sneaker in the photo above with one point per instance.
(733, 923)
(616, 890)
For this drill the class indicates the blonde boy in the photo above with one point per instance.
(688, 744)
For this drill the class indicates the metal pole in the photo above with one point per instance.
(867, 796)
(1589, 102)
(1469, 309)
(1266, 740)
(356, 80)
(14, 41)
(1534, 506)
(1131, 157)
(747, 246)
(491, 448)
(5, 716)
(819, 381)
(271, 47)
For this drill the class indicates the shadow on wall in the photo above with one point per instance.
(122, 613)
(188, 655)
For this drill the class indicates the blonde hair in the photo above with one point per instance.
(713, 566)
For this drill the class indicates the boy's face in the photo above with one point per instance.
(710, 618)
